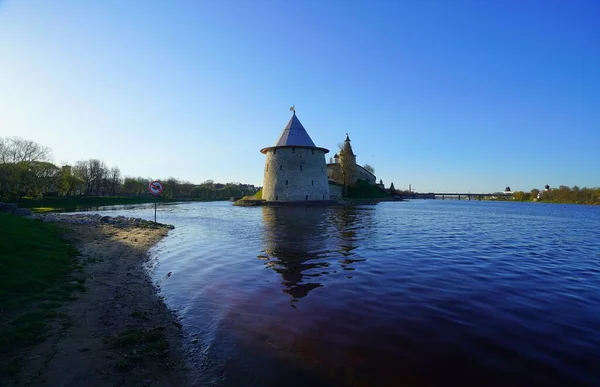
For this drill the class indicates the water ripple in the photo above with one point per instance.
(417, 293)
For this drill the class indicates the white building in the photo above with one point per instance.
(295, 168)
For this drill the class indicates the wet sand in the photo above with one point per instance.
(119, 332)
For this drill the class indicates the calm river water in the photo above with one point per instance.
(402, 294)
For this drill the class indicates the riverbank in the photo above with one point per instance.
(91, 318)
(244, 202)
(72, 203)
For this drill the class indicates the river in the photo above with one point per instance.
(414, 293)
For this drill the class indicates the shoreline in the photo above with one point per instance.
(117, 331)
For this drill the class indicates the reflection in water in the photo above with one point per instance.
(447, 294)
(301, 244)
(294, 243)
(347, 221)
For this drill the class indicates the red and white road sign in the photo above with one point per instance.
(155, 187)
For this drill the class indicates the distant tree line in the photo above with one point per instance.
(26, 171)
(562, 194)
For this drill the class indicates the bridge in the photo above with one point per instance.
(454, 195)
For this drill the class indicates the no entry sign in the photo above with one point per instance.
(155, 187)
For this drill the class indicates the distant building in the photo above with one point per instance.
(546, 189)
(295, 168)
(345, 171)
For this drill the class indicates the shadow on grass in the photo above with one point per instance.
(37, 275)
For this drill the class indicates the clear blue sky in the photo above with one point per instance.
(444, 95)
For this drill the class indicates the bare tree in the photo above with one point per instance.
(81, 170)
(17, 150)
(94, 174)
(115, 179)
(99, 171)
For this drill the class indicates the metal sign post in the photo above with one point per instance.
(155, 189)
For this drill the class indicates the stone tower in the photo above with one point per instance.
(348, 162)
(295, 168)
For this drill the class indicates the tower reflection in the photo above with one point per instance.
(352, 224)
(295, 246)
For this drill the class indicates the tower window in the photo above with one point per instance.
(312, 182)
(280, 167)
(286, 182)
(301, 167)
(267, 167)
(276, 197)
(323, 197)
(306, 197)
(293, 150)
(312, 151)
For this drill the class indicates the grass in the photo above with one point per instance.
(136, 344)
(35, 267)
(33, 259)
(246, 199)
(257, 196)
(57, 203)
(364, 190)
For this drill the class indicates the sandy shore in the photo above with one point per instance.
(119, 332)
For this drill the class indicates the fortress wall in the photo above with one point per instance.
(283, 164)
(364, 175)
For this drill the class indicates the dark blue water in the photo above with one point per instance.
(413, 293)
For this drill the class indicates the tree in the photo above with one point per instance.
(15, 150)
(369, 168)
(94, 173)
(70, 185)
(521, 196)
(534, 193)
(82, 172)
(114, 180)
(346, 170)
(24, 168)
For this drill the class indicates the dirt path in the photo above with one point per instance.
(118, 332)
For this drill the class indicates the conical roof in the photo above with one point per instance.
(294, 134)
(347, 148)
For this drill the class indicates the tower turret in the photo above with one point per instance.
(295, 168)
(348, 162)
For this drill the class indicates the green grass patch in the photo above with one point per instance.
(136, 344)
(34, 282)
(250, 200)
(137, 336)
(33, 260)
(258, 195)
